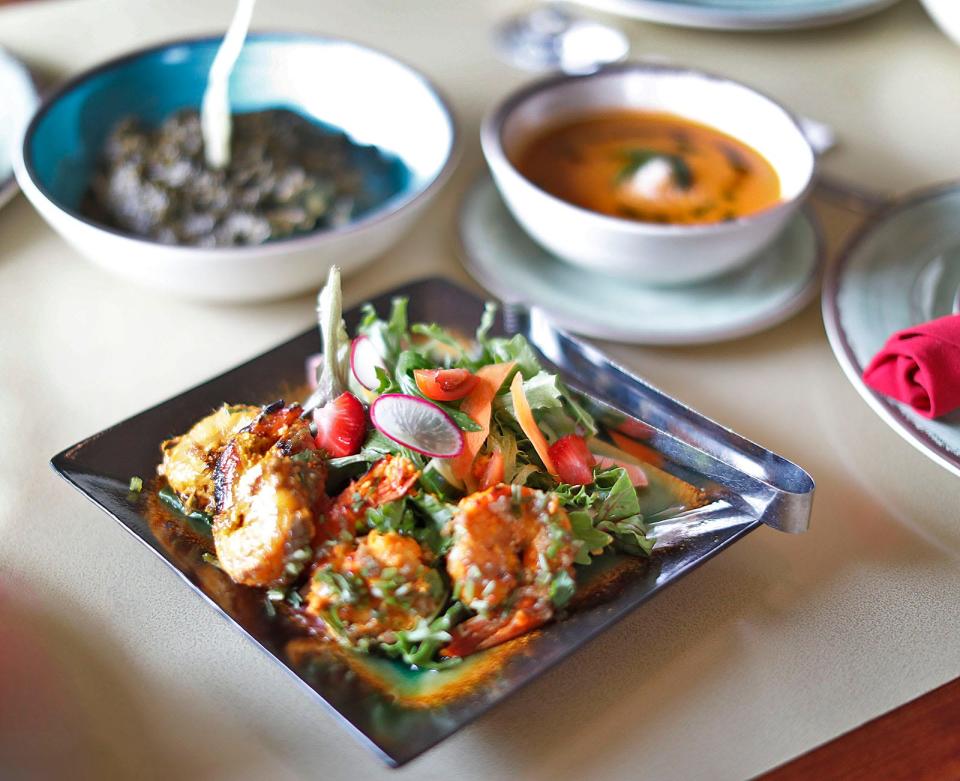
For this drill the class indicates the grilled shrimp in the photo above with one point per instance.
(389, 479)
(370, 588)
(511, 561)
(269, 485)
(189, 460)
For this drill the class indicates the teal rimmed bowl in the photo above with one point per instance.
(372, 97)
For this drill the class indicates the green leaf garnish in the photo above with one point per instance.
(200, 521)
(589, 537)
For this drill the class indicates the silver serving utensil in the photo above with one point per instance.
(551, 38)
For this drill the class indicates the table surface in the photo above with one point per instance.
(108, 668)
(918, 741)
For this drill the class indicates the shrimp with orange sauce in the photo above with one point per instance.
(189, 460)
(389, 479)
(511, 561)
(269, 490)
(369, 589)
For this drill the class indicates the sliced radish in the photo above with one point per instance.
(417, 424)
(312, 366)
(364, 361)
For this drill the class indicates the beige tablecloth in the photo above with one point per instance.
(109, 669)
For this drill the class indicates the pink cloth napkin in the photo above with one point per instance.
(920, 366)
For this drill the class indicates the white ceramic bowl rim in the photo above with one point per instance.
(8, 185)
(491, 138)
(213, 254)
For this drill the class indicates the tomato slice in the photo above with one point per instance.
(444, 384)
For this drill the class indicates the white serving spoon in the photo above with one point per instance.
(215, 121)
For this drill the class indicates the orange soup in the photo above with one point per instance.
(650, 167)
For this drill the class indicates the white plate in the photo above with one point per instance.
(775, 285)
(18, 100)
(743, 14)
(903, 268)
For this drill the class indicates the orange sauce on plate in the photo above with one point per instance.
(650, 167)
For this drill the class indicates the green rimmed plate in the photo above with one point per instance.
(902, 268)
(743, 14)
(771, 288)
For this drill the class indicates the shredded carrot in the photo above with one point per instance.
(478, 404)
(529, 425)
(636, 449)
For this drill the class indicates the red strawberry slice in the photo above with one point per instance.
(341, 426)
(573, 460)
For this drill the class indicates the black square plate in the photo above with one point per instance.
(397, 712)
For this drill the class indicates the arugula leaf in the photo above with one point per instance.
(386, 383)
(605, 511)
(438, 335)
(580, 496)
(486, 323)
(579, 414)
(437, 515)
(387, 336)
(619, 512)
(517, 348)
(630, 534)
(439, 512)
(619, 495)
(407, 363)
(558, 410)
(589, 537)
(368, 316)
(541, 391)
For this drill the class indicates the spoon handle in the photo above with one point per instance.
(215, 107)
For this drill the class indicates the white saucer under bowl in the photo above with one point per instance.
(775, 285)
(744, 14)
